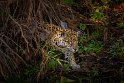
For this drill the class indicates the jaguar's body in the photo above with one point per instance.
(64, 40)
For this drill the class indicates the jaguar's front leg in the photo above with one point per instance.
(69, 56)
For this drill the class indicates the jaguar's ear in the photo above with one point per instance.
(64, 24)
(79, 33)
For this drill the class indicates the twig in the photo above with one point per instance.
(13, 51)
(21, 31)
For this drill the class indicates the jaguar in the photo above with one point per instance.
(63, 39)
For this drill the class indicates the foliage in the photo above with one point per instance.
(31, 70)
(96, 34)
(94, 72)
(91, 47)
(105, 1)
(121, 53)
(120, 25)
(69, 2)
(67, 67)
(97, 15)
(88, 45)
(84, 38)
(54, 61)
(82, 26)
(66, 80)
(116, 48)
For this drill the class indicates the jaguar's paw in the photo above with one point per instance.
(75, 67)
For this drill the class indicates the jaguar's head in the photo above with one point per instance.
(66, 39)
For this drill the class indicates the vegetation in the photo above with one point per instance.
(24, 58)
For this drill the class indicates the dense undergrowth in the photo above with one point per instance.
(24, 58)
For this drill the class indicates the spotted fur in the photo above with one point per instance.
(64, 40)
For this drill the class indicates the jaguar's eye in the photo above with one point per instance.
(62, 34)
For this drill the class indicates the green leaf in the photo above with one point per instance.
(69, 80)
(62, 79)
(120, 25)
(66, 80)
(82, 26)
(58, 60)
(69, 2)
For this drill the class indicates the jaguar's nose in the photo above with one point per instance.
(76, 49)
(72, 49)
